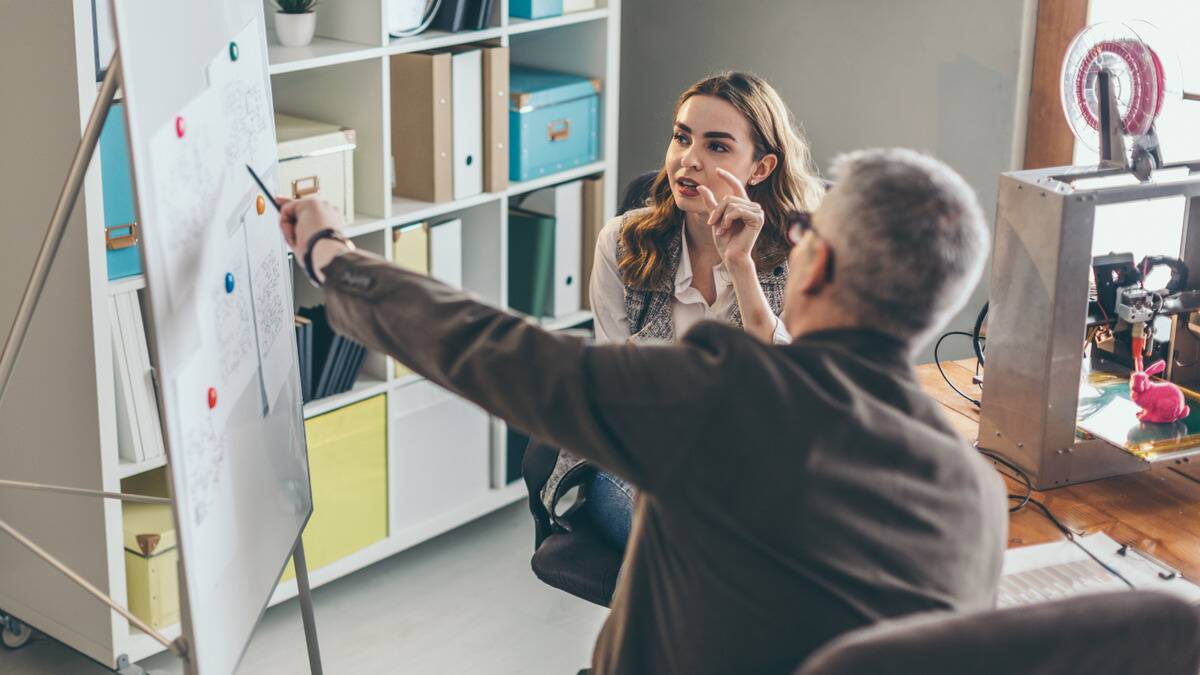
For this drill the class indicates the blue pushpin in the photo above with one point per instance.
(233, 51)
(229, 282)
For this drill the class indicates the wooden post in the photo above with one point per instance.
(1048, 139)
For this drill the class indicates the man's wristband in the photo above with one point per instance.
(327, 233)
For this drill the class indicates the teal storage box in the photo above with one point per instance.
(553, 122)
(535, 9)
(121, 234)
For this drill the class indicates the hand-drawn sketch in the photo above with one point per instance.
(246, 104)
(272, 300)
(230, 302)
(189, 174)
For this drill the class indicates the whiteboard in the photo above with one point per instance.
(220, 302)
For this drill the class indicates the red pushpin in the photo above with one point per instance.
(212, 398)
(179, 128)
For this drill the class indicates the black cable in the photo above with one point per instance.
(1027, 499)
(975, 334)
(938, 362)
(1071, 537)
(1187, 328)
(1022, 500)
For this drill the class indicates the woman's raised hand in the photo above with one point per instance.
(736, 221)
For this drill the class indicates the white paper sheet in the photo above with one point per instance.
(204, 455)
(271, 298)
(246, 106)
(233, 317)
(189, 175)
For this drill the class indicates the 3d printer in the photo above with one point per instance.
(1070, 329)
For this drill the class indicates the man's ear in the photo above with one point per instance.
(816, 274)
(763, 168)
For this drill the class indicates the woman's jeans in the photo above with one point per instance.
(610, 506)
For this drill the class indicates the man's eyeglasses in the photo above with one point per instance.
(799, 224)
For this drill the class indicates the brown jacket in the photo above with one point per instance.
(789, 493)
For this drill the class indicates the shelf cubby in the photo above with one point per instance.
(350, 95)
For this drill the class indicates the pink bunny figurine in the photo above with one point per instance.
(1161, 402)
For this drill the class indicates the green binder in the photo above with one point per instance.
(530, 261)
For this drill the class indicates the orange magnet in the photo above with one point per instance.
(179, 128)
(212, 398)
(260, 205)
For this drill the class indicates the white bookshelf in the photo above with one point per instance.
(343, 78)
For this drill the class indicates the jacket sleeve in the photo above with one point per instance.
(632, 409)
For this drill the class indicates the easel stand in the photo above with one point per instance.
(12, 347)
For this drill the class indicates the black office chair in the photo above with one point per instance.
(579, 562)
(1111, 634)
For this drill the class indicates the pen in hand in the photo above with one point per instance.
(263, 186)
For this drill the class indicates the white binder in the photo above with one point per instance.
(565, 203)
(144, 394)
(139, 432)
(129, 441)
(466, 102)
(568, 248)
(445, 253)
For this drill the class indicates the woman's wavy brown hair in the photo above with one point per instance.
(792, 186)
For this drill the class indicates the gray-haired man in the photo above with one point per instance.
(788, 493)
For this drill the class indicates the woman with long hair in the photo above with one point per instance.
(709, 243)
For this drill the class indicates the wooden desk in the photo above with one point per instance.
(1156, 511)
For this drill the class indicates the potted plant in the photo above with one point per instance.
(295, 22)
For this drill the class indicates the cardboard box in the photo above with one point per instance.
(151, 563)
(316, 160)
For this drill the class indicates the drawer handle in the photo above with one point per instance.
(117, 237)
(558, 131)
(303, 187)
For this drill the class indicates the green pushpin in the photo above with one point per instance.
(233, 51)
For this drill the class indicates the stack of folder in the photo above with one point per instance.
(329, 363)
(544, 251)
(450, 123)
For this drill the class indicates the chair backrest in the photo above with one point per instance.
(1108, 634)
(637, 191)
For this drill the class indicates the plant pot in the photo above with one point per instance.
(295, 30)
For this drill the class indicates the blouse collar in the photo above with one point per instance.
(684, 273)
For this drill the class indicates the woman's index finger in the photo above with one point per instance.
(739, 188)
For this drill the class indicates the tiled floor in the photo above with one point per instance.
(463, 603)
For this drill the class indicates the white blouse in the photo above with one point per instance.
(607, 293)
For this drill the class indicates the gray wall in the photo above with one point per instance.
(949, 77)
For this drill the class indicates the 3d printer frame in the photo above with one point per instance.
(1037, 320)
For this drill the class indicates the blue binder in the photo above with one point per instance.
(121, 234)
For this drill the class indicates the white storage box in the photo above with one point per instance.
(441, 453)
(316, 159)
